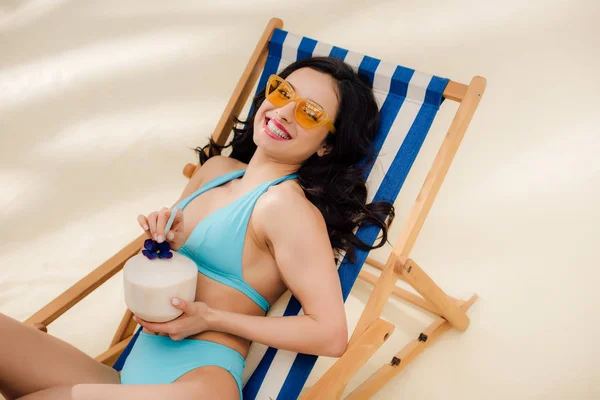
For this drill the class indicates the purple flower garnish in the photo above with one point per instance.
(150, 255)
(150, 245)
(166, 255)
(164, 247)
(153, 249)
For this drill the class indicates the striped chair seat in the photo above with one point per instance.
(408, 101)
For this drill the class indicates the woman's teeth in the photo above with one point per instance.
(276, 131)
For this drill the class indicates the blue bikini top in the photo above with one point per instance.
(217, 242)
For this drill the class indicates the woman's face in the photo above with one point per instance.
(300, 143)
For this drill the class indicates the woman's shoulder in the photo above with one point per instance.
(287, 204)
(286, 192)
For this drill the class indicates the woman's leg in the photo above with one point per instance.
(31, 360)
(200, 384)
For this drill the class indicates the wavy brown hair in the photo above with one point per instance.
(335, 183)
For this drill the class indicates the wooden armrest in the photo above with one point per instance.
(85, 286)
(333, 383)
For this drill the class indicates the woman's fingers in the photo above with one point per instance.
(143, 221)
(170, 235)
(143, 324)
(156, 222)
(162, 327)
(178, 220)
(163, 217)
(152, 224)
(175, 235)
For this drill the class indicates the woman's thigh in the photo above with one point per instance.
(215, 378)
(31, 360)
(199, 384)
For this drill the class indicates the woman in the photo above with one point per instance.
(273, 216)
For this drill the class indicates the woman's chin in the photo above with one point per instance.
(264, 141)
(274, 150)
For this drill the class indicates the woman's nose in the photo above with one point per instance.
(286, 112)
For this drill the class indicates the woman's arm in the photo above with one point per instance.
(295, 232)
(301, 334)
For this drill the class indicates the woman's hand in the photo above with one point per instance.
(154, 226)
(192, 321)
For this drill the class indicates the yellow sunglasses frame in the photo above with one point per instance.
(326, 121)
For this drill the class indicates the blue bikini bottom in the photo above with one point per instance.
(159, 359)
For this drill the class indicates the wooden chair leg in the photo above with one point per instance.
(333, 383)
(400, 292)
(110, 356)
(427, 288)
(125, 329)
(122, 337)
(388, 371)
(377, 301)
(403, 294)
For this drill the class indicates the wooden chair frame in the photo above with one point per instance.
(371, 331)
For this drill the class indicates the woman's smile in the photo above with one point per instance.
(275, 130)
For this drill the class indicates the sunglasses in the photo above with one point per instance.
(307, 113)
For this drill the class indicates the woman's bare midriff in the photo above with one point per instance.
(221, 297)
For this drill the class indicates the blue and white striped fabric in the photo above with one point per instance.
(408, 102)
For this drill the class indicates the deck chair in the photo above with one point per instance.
(409, 101)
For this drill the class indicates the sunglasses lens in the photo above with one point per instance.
(309, 114)
(278, 92)
(272, 85)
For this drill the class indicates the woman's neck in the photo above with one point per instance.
(261, 169)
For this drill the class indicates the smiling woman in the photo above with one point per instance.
(272, 217)
(330, 177)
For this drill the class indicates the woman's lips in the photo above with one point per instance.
(270, 133)
(277, 124)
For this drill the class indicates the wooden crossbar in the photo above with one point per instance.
(403, 294)
(404, 357)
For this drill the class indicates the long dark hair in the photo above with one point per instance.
(335, 183)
